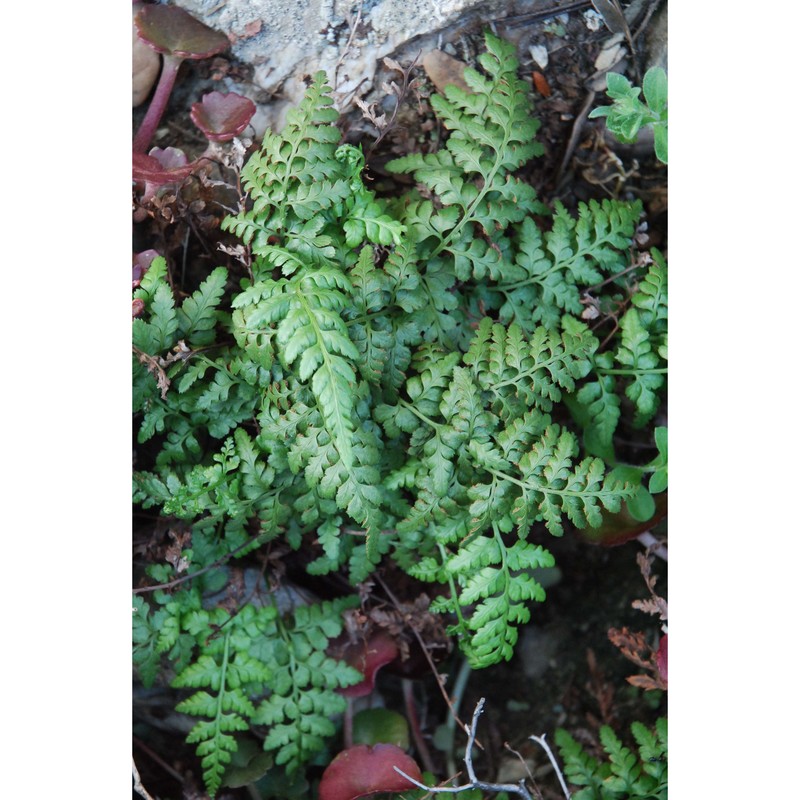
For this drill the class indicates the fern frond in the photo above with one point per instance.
(551, 268)
(625, 775)
(643, 366)
(520, 372)
(305, 312)
(198, 315)
(293, 170)
(651, 295)
(555, 486)
(159, 333)
(497, 578)
(229, 711)
(303, 696)
(581, 769)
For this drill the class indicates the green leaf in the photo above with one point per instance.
(654, 86)
(198, 315)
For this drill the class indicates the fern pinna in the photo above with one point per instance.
(409, 379)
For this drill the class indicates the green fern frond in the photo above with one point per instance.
(305, 312)
(303, 695)
(498, 579)
(551, 268)
(229, 711)
(651, 295)
(158, 333)
(198, 315)
(520, 371)
(295, 170)
(625, 775)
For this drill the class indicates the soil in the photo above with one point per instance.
(566, 672)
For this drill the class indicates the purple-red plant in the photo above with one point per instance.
(221, 116)
(177, 35)
(661, 658)
(367, 655)
(157, 169)
(364, 770)
(141, 262)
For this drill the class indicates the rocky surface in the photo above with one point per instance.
(286, 40)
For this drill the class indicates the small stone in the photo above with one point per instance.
(539, 55)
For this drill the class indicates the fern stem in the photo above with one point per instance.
(488, 185)
(542, 487)
(417, 413)
(528, 373)
(459, 687)
(341, 426)
(462, 623)
(221, 695)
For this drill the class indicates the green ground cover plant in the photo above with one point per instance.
(623, 774)
(410, 380)
(627, 114)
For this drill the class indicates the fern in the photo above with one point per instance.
(625, 774)
(303, 696)
(232, 660)
(638, 363)
(402, 380)
(228, 709)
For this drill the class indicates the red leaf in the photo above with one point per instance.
(363, 770)
(222, 116)
(617, 528)
(174, 31)
(661, 657)
(365, 655)
(160, 167)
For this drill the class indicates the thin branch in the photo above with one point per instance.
(353, 31)
(546, 747)
(437, 675)
(137, 783)
(653, 545)
(474, 782)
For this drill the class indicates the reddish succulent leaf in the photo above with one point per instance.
(222, 116)
(141, 263)
(365, 655)
(622, 527)
(661, 657)
(174, 31)
(161, 166)
(362, 770)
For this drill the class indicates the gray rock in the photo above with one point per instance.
(286, 40)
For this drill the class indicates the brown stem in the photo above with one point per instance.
(416, 731)
(347, 724)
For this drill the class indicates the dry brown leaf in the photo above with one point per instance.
(444, 70)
